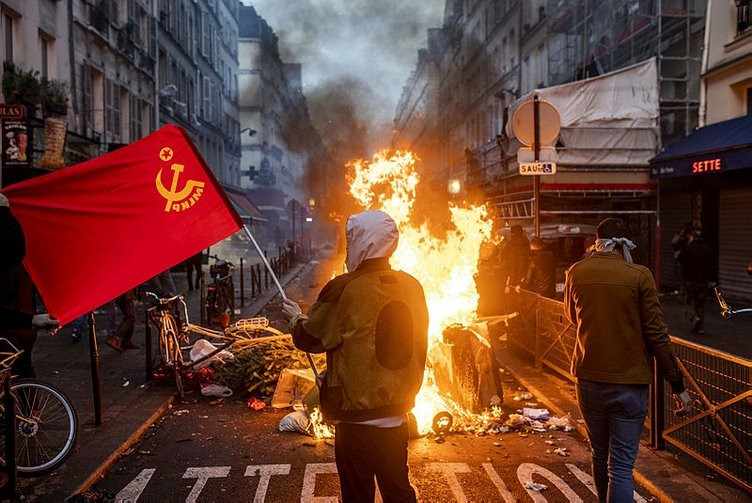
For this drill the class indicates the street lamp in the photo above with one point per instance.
(454, 186)
(251, 132)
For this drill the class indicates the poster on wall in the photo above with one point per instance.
(16, 143)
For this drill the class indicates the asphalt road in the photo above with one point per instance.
(218, 450)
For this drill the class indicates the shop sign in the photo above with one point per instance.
(16, 143)
(12, 111)
(706, 165)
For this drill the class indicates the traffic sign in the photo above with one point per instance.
(537, 168)
(546, 154)
(548, 119)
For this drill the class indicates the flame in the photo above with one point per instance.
(444, 266)
(320, 429)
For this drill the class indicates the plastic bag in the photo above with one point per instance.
(216, 390)
(296, 422)
(202, 348)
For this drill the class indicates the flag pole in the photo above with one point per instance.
(281, 292)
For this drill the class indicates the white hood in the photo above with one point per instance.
(371, 234)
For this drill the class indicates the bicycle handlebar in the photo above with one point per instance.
(726, 310)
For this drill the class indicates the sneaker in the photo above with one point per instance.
(113, 343)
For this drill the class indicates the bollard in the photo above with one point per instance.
(258, 279)
(266, 274)
(242, 285)
(147, 346)
(95, 374)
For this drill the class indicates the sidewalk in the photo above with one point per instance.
(669, 475)
(130, 405)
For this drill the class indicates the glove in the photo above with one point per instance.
(4, 201)
(683, 402)
(290, 309)
(44, 321)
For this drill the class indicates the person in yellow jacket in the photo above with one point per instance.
(372, 323)
(620, 328)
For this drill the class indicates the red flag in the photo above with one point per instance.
(102, 227)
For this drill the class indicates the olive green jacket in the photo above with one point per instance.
(373, 324)
(614, 305)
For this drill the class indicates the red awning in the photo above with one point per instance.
(245, 205)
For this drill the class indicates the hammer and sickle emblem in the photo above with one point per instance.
(173, 195)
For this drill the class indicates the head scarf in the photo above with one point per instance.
(608, 245)
(370, 234)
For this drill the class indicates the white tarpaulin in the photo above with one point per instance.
(607, 120)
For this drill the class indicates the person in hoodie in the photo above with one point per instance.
(372, 323)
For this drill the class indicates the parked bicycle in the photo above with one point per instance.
(220, 293)
(46, 421)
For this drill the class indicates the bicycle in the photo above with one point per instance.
(46, 421)
(220, 294)
(170, 317)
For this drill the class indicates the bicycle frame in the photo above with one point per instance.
(726, 310)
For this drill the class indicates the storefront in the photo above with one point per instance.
(706, 180)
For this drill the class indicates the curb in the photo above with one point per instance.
(642, 479)
(135, 436)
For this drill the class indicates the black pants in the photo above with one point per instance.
(191, 266)
(125, 302)
(696, 293)
(363, 452)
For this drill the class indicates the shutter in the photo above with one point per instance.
(676, 210)
(735, 243)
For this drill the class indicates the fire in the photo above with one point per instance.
(444, 266)
(319, 428)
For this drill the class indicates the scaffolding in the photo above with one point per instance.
(592, 37)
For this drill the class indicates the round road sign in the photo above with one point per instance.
(549, 123)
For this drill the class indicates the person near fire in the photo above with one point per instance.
(541, 272)
(515, 257)
(613, 303)
(12, 252)
(372, 322)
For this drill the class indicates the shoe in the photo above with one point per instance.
(113, 343)
(129, 345)
(76, 336)
(701, 332)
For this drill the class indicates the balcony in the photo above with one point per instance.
(145, 62)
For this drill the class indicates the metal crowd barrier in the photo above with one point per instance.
(718, 432)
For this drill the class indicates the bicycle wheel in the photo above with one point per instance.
(46, 426)
(169, 343)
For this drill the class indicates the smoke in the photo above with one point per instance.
(364, 49)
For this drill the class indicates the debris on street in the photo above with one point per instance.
(534, 486)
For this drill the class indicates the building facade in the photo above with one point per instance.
(278, 141)
(491, 54)
(706, 178)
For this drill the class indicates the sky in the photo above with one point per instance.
(360, 50)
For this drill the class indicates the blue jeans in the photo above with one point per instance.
(614, 415)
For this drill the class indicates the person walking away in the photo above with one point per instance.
(372, 322)
(17, 291)
(697, 260)
(541, 273)
(614, 306)
(194, 264)
(122, 338)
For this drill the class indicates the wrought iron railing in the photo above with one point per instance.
(718, 431)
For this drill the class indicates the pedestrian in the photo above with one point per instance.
(697, 262)
(678, 241)
(122, 337)
(17, 291)
(77, 328)
(194, 263)
(372, 322)
(614, 305)
(515, 257)
(541, 273)
(12, 252)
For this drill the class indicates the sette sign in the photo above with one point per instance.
(537, 168)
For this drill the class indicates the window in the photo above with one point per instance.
(112, 108)
(87, 101)
(44, 46)
(136, 118)
(742, 16)
(8, 29)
